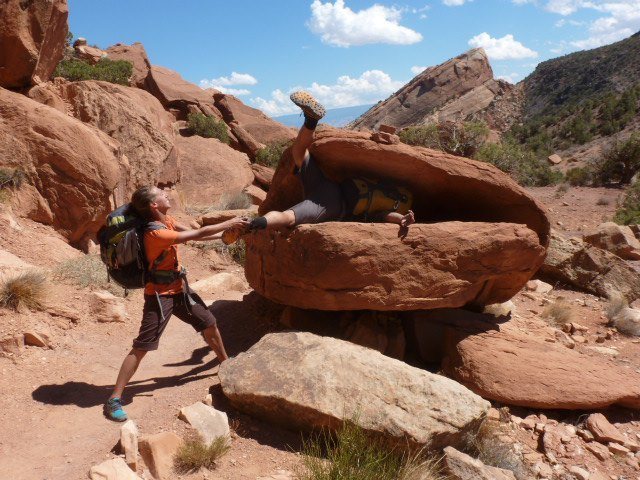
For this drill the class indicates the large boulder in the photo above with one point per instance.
(135, 119)
(432, 89)
(614, 238)
(305, 381)
(491, 240)
(211, 169)
(74, 172)
(174, 91)
(32, 36)
(517, 368)
(355, 266)
(262, 128)
(589, 268)
(137, 55)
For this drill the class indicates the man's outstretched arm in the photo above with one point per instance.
(399, 219)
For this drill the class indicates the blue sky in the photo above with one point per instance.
(346, 52)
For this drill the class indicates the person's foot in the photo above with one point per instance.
(231, 235)
(113, 410)
(309, 105)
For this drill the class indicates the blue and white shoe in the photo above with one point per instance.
(113, 410)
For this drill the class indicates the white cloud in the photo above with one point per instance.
(340, 26)
(454, 3)
(371, 86)
(417, 69)
(222, 83)
(505, 48)
(511, 78)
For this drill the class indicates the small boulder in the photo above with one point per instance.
(114, 469)
(278, 379)
(158, 451)
(35, 340)
(602, 430)
(208, 422)
(460, 466)
(264, 175)
(538, 286)
(129, 444)
(256, 194)
(617, 239)
(89, 54)
(107, 307)
(554, 159)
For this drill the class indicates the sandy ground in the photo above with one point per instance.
(52, 422)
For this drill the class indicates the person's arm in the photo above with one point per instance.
(179, 227)
(204, 233)
(399, 219)
(215, 236)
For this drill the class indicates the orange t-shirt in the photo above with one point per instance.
(155, 242)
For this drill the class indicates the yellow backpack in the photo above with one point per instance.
(379, 196)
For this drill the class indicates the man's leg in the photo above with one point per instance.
(129, 366)
(214, 340)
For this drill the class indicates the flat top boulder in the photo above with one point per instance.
(305, 381)
(169, 87)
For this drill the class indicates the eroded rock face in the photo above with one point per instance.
(279, 379)
(137, 55)
(480, 236)
(211, 169)
(511, 367)
(132, 117)
(32, 35)
(435, 88)
(356, 266)
(73, 171)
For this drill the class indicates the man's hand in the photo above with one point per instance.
(408, 219)
(235, 223)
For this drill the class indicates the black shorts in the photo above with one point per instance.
(323, 201)
(154, 323)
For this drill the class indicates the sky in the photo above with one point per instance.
(345, 52)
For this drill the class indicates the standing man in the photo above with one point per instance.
(166, 293)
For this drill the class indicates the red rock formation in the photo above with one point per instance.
(32, 39)
(174, 91)
(73, 170)
(137, 55)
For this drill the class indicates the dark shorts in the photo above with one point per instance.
(154, 323)
(323, 201)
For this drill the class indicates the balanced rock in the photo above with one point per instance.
(511, 367)
(279, 379)
(589, 268)
(211, 169)
(73, 170)
(614, 238)
(32, 35)
(137, 56)
(446, 260)
(460, 466)
(356, 266)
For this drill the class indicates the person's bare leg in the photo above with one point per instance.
(280, 219)
(300, 147)
(214, 340)
(127, 369)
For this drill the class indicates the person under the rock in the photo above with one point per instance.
(171, 295)
(324, 199)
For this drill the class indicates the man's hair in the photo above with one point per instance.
(141, 201)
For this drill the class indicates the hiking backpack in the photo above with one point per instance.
(122, 247)
(380, 196)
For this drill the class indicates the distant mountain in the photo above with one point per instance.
(336, 117)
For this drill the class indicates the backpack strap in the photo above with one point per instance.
(154, 275)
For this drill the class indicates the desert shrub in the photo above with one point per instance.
(561, 190)
(558, 312)
(579, 176)
(626, 320)
(195, 454)
(208, 126)
(86, 271)
(25, 290)
(629, 211)
(621, 162)
(270, 155)
(236, 251)
(523, 166)
(114, 71)
(458, 139)
(11, 177)
(603, 201)
(352, 454)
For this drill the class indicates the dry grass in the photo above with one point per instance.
(561, 190)
(236, 252)
(195, 454)
(232, 201)
(26, 290)
(352, 454)
(626, 320)
(86, 271)
(603, 201)
(489, 445)
(559, 312)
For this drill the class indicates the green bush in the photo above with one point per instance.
(629, 211)
(458, 139)
(579, 176)
(114, 71)
(208, 127)
(270, 155)
(621, 162)
(523, 166)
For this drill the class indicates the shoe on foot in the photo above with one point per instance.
(231, 235)
(113, 410)
(309, 105)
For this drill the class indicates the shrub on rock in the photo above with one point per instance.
(114, 71)
(208, 127)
